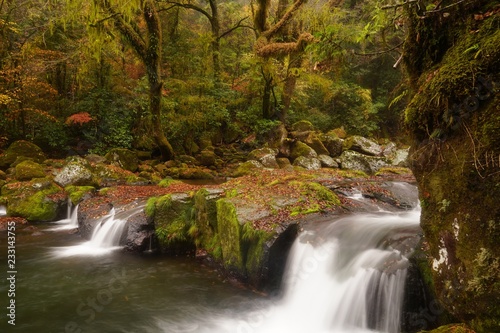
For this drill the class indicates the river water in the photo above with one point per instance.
(342, 277)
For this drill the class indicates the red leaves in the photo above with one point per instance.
(79, 119)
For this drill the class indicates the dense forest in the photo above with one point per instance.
(79, 76)
(283, 111)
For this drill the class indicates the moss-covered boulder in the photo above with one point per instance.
(452, 328)
(333, 144)
(123, 158)
(36, 200)
(453, 118)
(302, 126)
(266, 156)
(207, 157)
(79, 193)
(301, 149)
(247, 168)
(18, 149)
(28, 170)
(77, 171)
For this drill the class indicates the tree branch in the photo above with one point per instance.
(190, 6)
(284, 20)
(238, 25)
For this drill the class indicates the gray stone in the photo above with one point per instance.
(309, 163)
(327, 161)
(362, 145)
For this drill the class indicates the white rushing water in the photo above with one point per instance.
(70, 221)
(346, 277)
(106, 234)
(3, 210)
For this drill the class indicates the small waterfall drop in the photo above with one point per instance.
(3, 210)
(71, 219)
(106, 235)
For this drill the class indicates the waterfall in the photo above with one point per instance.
(344, 277)
(71, 219)
(3, 210)
(106, 235)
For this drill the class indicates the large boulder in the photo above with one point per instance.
(28, 170)
(363, 145)
(37, 200)
(308, 163)
(123, 158)
(333, 144)
(301, 149)
(302, 126)
(77, 171)
(19, 149)
(311, 139)
(355, 161)
(266, 156)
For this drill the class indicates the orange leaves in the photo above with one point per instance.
(78, 119)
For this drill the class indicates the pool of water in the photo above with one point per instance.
(113, 292)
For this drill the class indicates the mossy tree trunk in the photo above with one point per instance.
(148, 48)
(453, 60)
(267, 47)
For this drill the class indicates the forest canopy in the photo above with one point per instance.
(87, 76)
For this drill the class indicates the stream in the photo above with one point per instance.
(345, 276)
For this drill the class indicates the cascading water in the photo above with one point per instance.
(345, 277)
(3, 211)
(106, 235)
(70, 221)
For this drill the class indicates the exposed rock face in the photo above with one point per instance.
(311, 163)
(140, 230)
(356, 161)
(266, 156)
(363, 145)
(21, 149)
(454, 157)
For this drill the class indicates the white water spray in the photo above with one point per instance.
(70, 221)
(3, 211)
(106, 235)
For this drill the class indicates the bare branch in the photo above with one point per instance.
(284, 20)
(238, 25)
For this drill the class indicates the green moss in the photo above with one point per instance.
(166, 182)
(28, 170)
(34, 204)
(76, 193)
(150, 207)
(230, 235)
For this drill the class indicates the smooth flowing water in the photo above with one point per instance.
(342, 277)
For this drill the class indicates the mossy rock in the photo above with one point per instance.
(229, 230)
(77, 171)
(266, 156)
(79, 193)
(37, 200)
(301, 149)
(3, 175)
(173, 216)
(302, 126)
(21, 148)
(124, 158)
(247, 168)
(454, 158)
(207, 157)
(28, 170)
